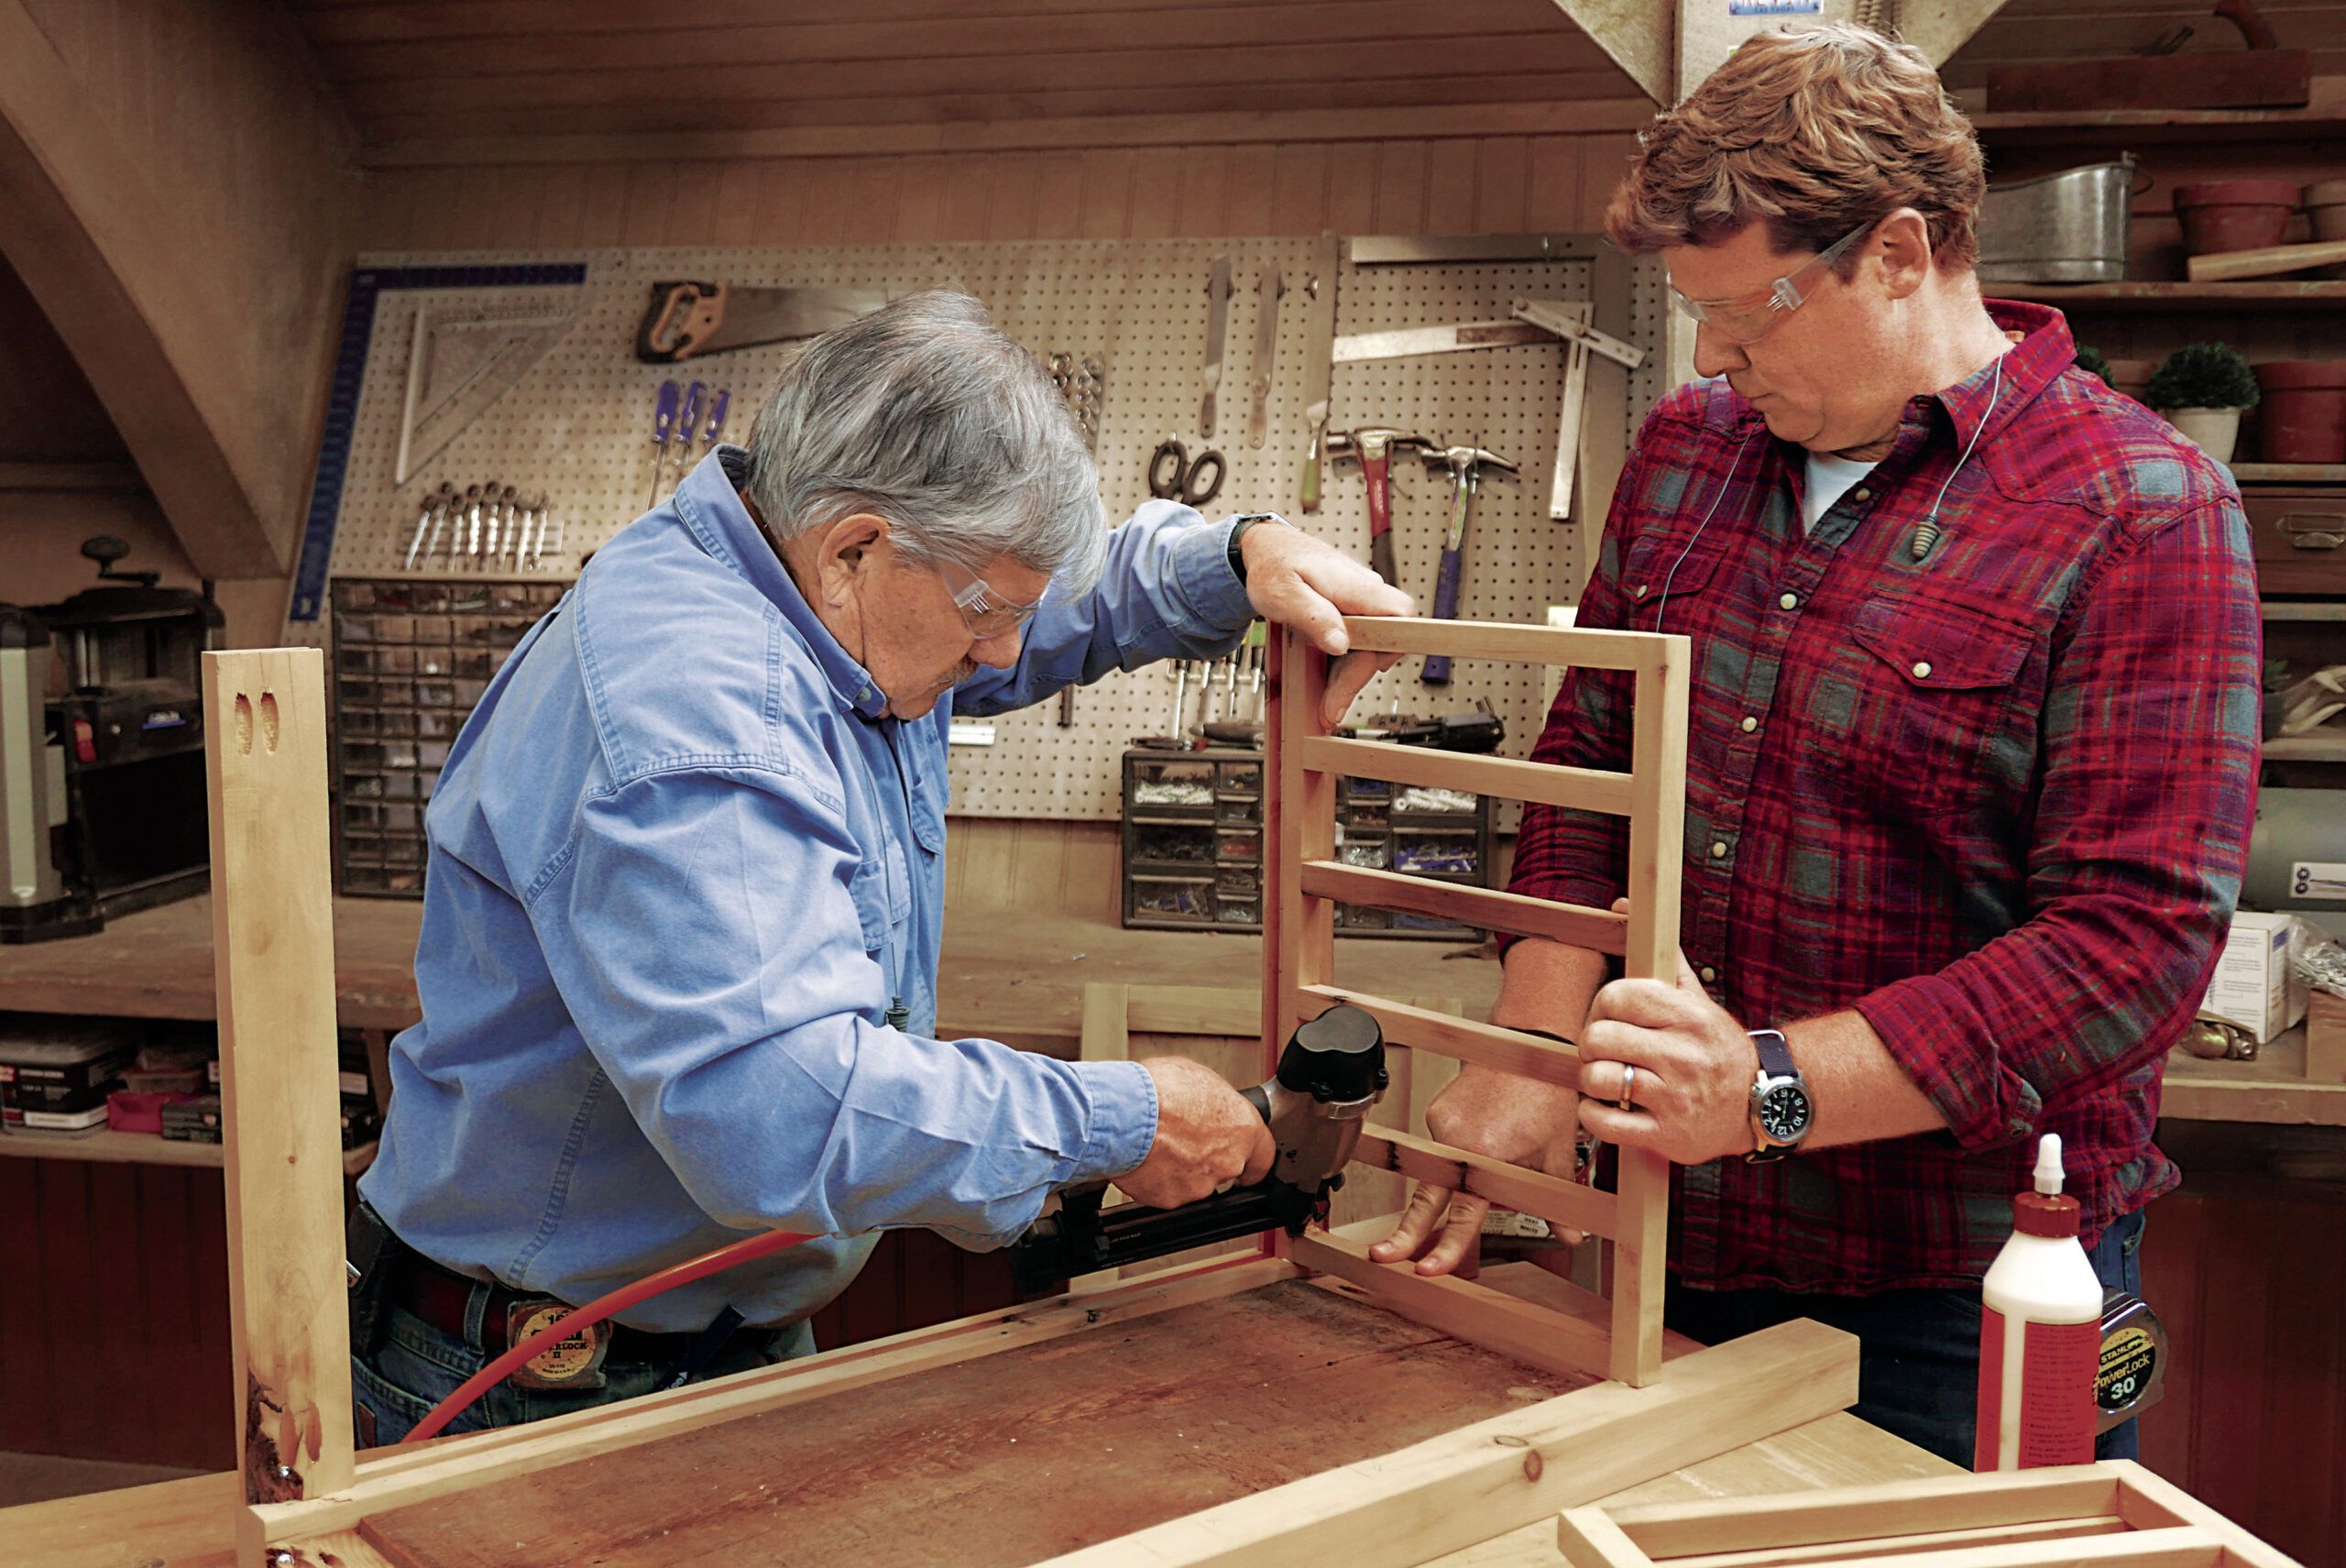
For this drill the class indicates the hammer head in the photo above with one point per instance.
(1467, 460)
(1376, 442)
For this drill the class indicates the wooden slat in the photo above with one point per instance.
(1485, 1044)
(1460, 1308)
(1657, 756)
(2137, 1548)
(1488, 909)
(273, 954)
(1507, 641)
(1187, 1010)
(1552, 1198)
(1834, 1552)
(1852, 1513)
(2140, 1490)
(1584, 788)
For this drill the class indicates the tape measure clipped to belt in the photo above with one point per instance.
(2132, 1371)
(572, 1363)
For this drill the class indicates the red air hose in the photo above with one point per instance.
(593, 1312)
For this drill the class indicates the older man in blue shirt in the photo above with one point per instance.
(685, 902)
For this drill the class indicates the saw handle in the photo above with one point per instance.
(1445, 608)
(679, 320)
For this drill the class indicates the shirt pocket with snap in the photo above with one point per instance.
(1926, 708)
(881, 888)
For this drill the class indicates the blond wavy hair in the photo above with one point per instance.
(1811, 130)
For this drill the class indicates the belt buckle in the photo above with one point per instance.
(571, 1365)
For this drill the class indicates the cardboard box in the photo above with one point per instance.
(2253, 988)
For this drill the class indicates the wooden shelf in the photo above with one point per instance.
(110, 1147)
(2291, 610)
(2272, 1087)
(2315, 747)
(2288, 473)
(2315, 293)
(2326, 116)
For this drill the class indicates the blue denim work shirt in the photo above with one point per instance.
(680, 865)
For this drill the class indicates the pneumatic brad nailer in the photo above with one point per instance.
(1330, 1074)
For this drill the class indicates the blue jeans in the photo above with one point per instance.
(418, 1365)
(1918, 1351)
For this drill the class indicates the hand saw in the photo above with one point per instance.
(687, 320)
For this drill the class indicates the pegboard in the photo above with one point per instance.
(578, 426)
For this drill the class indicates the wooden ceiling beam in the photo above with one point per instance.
(209, 362)
(1437, 123)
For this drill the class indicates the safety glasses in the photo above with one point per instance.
(1755, 315)
(986, 613)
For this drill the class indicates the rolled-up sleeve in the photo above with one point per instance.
(2150, 748)
(714, 958)
(1168, 591)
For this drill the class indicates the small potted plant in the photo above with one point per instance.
(2203, 388)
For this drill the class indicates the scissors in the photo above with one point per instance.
(1187, 483)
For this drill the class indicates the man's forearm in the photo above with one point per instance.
(1860, 1092)
(1547, 985)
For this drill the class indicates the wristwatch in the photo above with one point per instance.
(1781, 1111)
(1245, 521)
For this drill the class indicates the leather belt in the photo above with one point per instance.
(442, 1296)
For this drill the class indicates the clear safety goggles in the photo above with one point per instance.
(1750, 318)
(987, 614)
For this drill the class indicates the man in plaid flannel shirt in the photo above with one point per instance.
(1972, 743)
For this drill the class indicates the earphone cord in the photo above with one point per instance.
(1734, 463)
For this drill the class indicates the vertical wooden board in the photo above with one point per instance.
(1552, 200)
(650, 197)
(1604, 160)
(1503, 191)
(116, 1311)
(1400, 187)
(2237, 1354)
(1352, 187)
(1091, 882)
(735, 219)
(1205, 178)
(781, 193)
(166, 1286)
(920, 200)
(1299, 188)
(1058, 194)
(873, 187)
(2299, 1435)
(692, 215)
(1017, 193)
(1451, 196)
(69, 1262)
(273, 953)
(1105, 210)
(561, 199)
(1156, 191)
(603, 210)
(968, 192)
(24, 1309)
(2172, 1240)
(1254, 173)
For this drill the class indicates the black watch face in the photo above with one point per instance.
(1783, 1112)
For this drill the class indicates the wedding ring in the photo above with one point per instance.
(1628, 1085)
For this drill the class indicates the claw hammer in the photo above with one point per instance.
(1465, 465)
(1374, 449)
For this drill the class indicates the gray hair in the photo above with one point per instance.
(928, 414)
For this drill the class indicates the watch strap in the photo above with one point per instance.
(1242, 523)
(1775, 1053)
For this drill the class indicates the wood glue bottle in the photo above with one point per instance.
(2040, 1334)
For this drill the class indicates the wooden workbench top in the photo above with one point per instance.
(1016, 978)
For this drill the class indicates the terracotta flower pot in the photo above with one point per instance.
(2326, 205)
(2234, 214)
(2304, 410)
(2214, 431)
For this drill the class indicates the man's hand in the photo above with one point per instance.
(1209, 1137)
(1694, 1066)
(1296, 580)
(1520, 1120)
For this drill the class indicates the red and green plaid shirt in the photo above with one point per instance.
(1997, 801)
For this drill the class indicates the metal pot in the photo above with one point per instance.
(2068, 227)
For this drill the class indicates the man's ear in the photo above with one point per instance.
(852, 548)
(1905, 238)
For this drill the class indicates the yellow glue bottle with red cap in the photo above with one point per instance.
(2040, 1334)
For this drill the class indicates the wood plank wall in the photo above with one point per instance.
(1413, 186)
